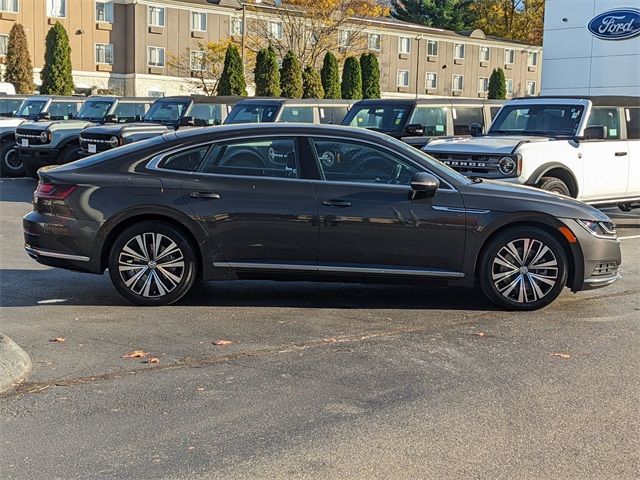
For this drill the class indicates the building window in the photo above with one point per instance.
(199, 21)
(155, 93)
(485, 54)
(509, 86)
(104, 11)
(4, 44)
(403, 78)
(275, 30)
(236, 27)
(458, 51)
(155, 16)
(155, 56)
(344, 39)
(432, 80)
(374, 41)
(457, 83)
(56, 8)
(509, 56)
(404, 45)
(104, 53)
(531, 88)
(432, 48)
(483, 84)
(197, 60)
(532, 60)
(9, 6)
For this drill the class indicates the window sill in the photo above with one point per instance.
(156, 70)
(403, 56)
(531, 69)
(403, 89)
(104, 26)
(104, 67)
(8, 16)
(198, 34)
(482, 94)
(484, 63)
(456, 93)
(432, 58)
(430, 91)
(157, 30)
(508, 66)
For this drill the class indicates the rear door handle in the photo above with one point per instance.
(204, 195)
(620, 154)
(336, 203)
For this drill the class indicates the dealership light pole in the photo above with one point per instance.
(418, 38)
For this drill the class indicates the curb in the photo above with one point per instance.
(15, 364)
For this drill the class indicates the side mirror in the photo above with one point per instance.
(111, 118)
(597, 132)
(137, 118)
(44, 116)
(414, 130)
(424, 184)
(187, 122)
(475, 129)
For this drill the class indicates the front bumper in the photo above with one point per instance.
(37, 158)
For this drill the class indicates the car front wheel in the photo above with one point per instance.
(523, 269)
(152, 263)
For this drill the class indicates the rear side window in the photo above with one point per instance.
(434, 120)
(9, 106)
(333, 114)
(297, 114)
(206, 114)
(607, 117)
(463, 117)
(63, 110)
(632, 116)
(252, 114)
(185, 160)
(127, 112)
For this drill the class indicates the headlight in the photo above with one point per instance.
(599, 229)
(507, 165)
(44, 136)
(114, 142)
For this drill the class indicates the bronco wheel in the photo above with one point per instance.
(152, 263)
(11, 165)
(555, 185)
(68, 154)
(523, 268)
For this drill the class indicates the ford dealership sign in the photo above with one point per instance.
(618, 24)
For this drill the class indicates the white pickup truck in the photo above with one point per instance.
(584, 147)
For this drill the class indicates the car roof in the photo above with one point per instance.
(121, 99)
(67, 98)
(221, 99)
(596, 100)
(296, 101)
(426, 101)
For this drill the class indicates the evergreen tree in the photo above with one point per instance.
(56, 73)
(19, 69)
(497, 85)
(330, 76)
(311, 83)
(267, 74)
(370, 75)
(291, 76)
(232, 78)
(351, 79)
(448, 14)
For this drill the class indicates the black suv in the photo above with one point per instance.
(166, 114)
(289, 110)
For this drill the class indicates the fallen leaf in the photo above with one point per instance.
(479, 334)
(136, 354)
(200, 389)
(222, 343)
(154, 360)
(330, 340)
(192, 448)
(561, 355)
(57, 339)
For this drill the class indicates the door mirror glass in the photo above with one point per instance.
(414, 130)
(111, 118)
(424, 184)
(44, 116)
(187, 122)
(597, 132)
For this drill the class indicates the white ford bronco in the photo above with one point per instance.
(584, 147)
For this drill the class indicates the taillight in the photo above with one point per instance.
(52, 191)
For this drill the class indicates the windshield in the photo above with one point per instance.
(31, 108)
(548, 120)
(252, 114)
(95, 110)
(384, 119)
(166, 111)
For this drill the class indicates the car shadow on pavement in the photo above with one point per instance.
(54, 287)
(19, 190)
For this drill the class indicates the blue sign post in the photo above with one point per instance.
(618, 24)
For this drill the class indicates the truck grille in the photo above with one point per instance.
(102, 142)
(466, 164)
(32, 135)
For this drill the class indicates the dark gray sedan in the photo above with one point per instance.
(311, 202)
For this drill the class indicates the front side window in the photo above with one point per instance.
(104, 53)
(384, 119)
(532, 59)
(166, 111)
(297, 114)
(458, 51)
(9, 6)
(608, 118)
(4, 44)
(155, 16)
(63, 110)
(433, 120)
(237, 26)
(104, 11)
(128, 111)
(464, 117)
(199, 21)
(632, 117)
(156, 56)
(185, 160)
(403, 78)
(273, 158)
(509, 56)
(56, 8)
(374, 41)
(404, 45)
(197, 60)
(275, 30)
(483, 84)
(547, 120)
(432, 48)
(252, 114)
(457, 82)
(431, 80)
(531, 88)
(509, 86)
(351, 161)
(95, 110)
(206, 114)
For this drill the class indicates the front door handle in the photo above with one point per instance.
(204, 195)
(620, 154)
(336, 203)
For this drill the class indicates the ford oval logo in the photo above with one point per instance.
(616, 24)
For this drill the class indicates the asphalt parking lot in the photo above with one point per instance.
(319, 380)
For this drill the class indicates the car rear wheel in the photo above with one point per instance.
(11, 164)
(523, 269)
(555, 185)
(152, 263)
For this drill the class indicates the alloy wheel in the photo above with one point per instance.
(524, 270)
(11, 160)
(151, 265)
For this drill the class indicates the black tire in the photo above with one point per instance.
(522, 289)
(155, 285)
(555, 185)
(68, 154)
(11, 165)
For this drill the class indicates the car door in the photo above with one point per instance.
(606, 161)
(250, 198)
(368, 221)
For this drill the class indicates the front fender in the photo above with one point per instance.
(540, 172)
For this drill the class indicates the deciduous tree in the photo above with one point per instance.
(203, 66)
(56, 72)
(521, 20)
(19, 69)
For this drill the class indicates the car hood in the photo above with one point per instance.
(37, 126)
(12, 122)
(488, 144)
(500, 196)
